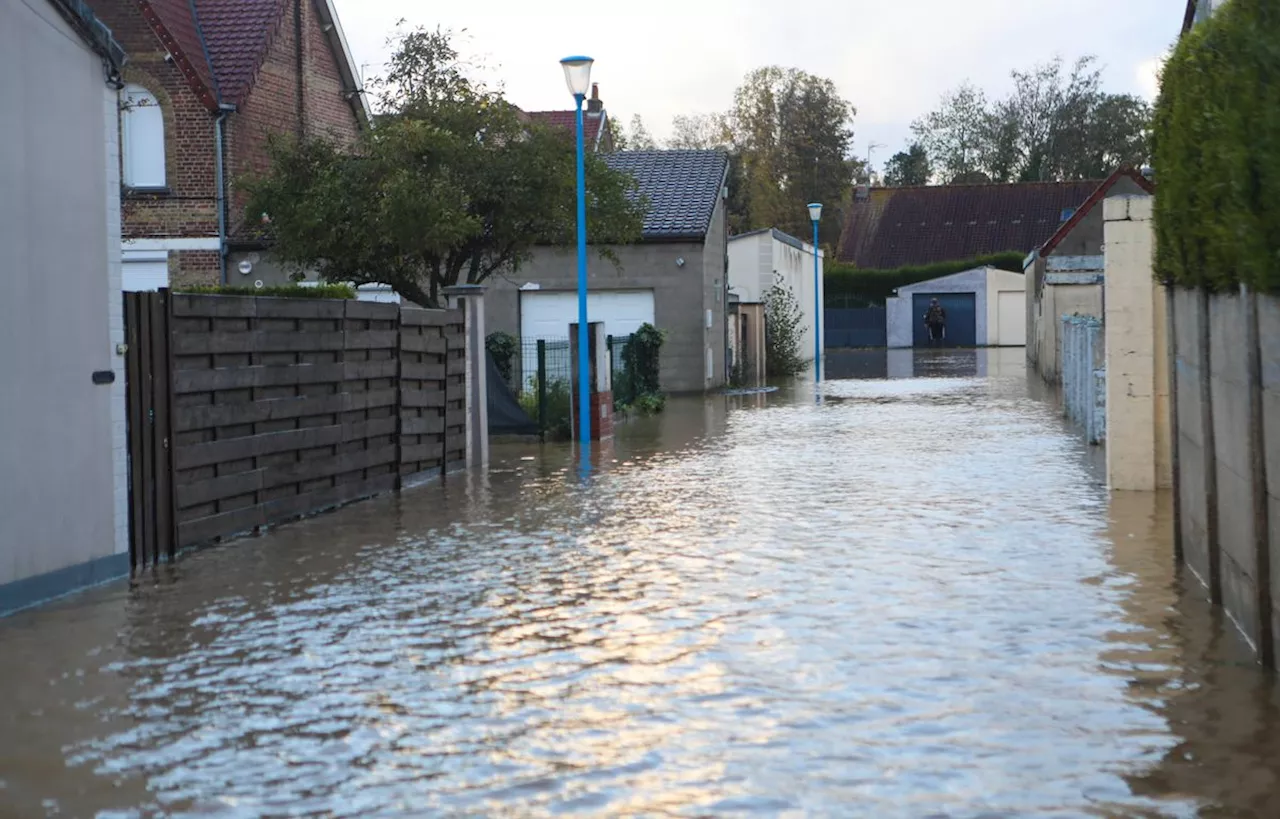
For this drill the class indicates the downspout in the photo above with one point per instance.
(220, 180)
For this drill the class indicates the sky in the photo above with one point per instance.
(893, 59)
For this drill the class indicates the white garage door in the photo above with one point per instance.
(145, 270)
(547, 315)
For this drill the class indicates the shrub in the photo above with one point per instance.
(503, 347)
(291, 291)
(845, 285)
(559, 422)
(1217, 152)
(782, 331)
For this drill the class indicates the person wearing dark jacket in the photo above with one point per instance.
(935, 320)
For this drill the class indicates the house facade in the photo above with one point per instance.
(762, 257)
(1065, 275)
(675, 278)
(207, 83)
(63, 454)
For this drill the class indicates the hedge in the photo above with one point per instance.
(293, 291)
(1217, 153)
(848, 286)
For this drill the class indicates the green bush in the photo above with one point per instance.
(1217, 152)
(291, 291)
(845, 285)
(782, 331)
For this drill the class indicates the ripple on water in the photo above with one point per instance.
(902, 601)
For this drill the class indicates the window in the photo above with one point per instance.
(1067, 213)
(142, 131)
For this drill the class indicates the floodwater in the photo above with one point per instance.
(911, 597)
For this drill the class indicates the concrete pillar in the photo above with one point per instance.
(1138, 438)
(470, 298)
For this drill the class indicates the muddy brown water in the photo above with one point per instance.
(910, 598)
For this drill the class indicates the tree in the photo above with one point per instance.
(792, 133)
(909, 167)
(699, 131)
(640, 139)
(1054, 125)
(782, 331)
(451, 187)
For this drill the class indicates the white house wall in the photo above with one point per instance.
(63, 510)
(755, 259)
(1006, 293)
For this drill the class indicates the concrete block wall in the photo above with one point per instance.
(679, 295)
(1226, 349)
(1136, 351)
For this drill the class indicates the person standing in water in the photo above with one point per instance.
(935, 320)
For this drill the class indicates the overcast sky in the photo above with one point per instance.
(891, 58)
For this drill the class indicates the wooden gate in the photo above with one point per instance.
(148, 378)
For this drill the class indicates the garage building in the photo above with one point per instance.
(986, 307)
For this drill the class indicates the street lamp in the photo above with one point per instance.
(815, 215)
(577, 75)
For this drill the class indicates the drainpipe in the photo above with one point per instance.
(219, 172)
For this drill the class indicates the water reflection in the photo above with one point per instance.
(913, 599)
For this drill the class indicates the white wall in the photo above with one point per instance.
(62, 453)
(1006, 308)
(753, 261)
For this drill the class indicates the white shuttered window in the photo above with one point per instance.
(143, 137)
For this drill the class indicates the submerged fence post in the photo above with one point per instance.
(471, 297)
(542, 389)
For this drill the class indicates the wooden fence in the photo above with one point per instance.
(244, 411)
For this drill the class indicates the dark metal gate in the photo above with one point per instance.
(962, 318)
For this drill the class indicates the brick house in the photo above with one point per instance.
(207, 82)
(596, 135)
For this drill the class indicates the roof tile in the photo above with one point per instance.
(942, 223)
(568, 120)
(682, 189)
(239, 34)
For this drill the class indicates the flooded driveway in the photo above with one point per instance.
(910, 598)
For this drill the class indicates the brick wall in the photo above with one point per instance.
(187, 207)
(275, 104)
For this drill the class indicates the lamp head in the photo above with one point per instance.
(815, 211)
(577, 74)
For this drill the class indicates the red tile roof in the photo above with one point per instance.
(239, 33)
(568, 121)
(178, 31)
(942, 223)
(1089, 204)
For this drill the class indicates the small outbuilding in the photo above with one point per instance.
(986, 307)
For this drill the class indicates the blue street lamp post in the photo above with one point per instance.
(577, 75)
(815, 214)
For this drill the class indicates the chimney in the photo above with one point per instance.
(595, 105)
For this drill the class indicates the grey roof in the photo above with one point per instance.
(682, 189)
(785, 238)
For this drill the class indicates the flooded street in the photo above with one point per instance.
(911, 598)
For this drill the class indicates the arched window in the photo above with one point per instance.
(142, 133)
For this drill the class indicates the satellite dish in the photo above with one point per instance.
(245, 267)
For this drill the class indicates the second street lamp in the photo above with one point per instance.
(577, 75)
(815, 215)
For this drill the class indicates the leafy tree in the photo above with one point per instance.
(793, 135)
(1056, 124)
(451, 187)
(909, 167)
(782, 331)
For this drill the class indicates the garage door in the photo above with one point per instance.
(546, 316)
(145, 270)
(962, 323)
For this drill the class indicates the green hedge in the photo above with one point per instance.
(847, 286)
(1217, 152)
(292, 291)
